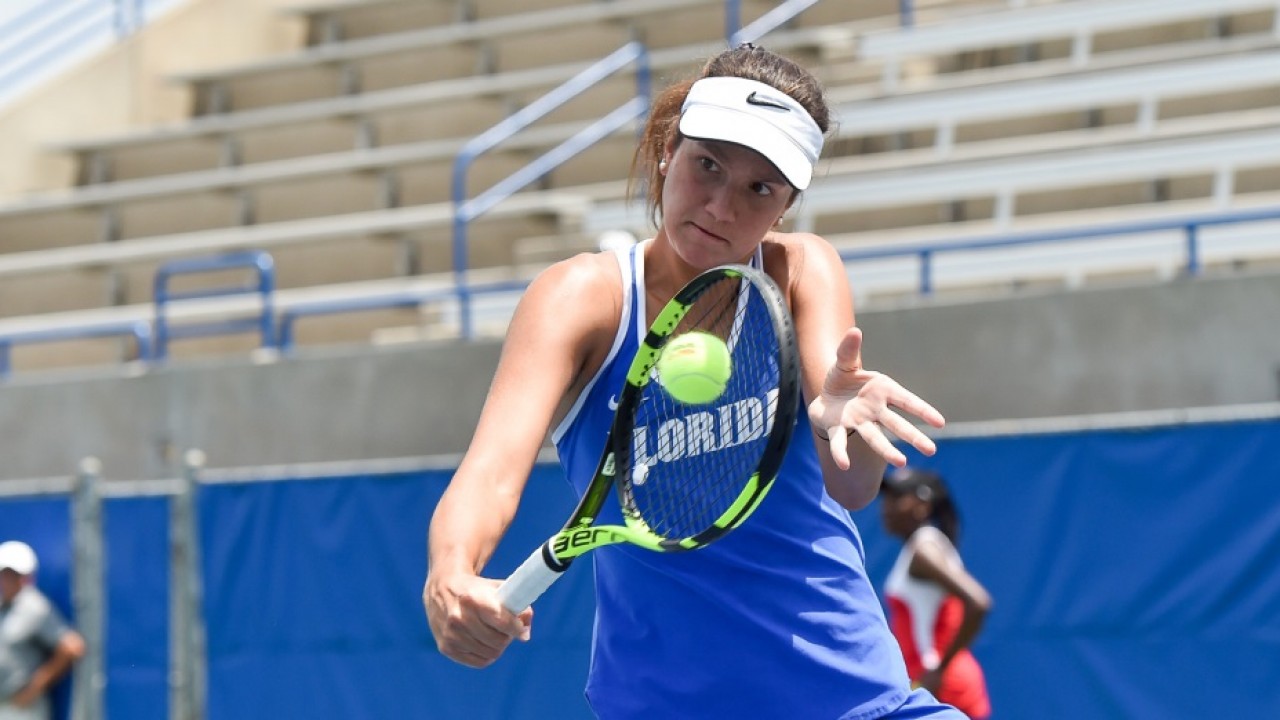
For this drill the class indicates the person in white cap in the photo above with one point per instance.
(778, 620)
(37, 646)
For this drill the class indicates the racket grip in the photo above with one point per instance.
(530, 580)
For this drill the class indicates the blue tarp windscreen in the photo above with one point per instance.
(1136, 575)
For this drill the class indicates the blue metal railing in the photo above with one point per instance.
(732, 19)
(780, 14)
(926, 252)
(48, 34)
(906, 13)
(139, 330)
(263, 322)
(1190, 225)
(148, 346)
(466, 211)
(761, 26)
(408, 299)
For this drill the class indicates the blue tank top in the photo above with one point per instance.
(777, 620)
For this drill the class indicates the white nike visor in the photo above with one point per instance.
(755, 115)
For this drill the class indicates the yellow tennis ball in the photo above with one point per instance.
(694, 367)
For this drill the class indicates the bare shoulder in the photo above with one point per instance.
(582, 276)
(569, 314)
(585, 289)
(793, 259)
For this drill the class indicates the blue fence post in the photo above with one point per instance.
(732, 20)
(461, 259)
(285, 330)
(1193, 249)
(143, 336)
(266, 269)
(926, 272)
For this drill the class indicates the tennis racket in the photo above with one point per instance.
(686, 474)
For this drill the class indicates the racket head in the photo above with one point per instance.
(687, 474)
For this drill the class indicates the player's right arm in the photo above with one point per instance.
(553, 334)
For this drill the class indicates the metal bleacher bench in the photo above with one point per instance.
(1220, 154)
(275, 235)
(353, 51)
(1145, 86)
(246, 177)
(1090, 159)
(944, 110)
(1078, 21)
(1000, 169)
(367, 104)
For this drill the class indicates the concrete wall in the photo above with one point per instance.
(1188, 343)
(1182, 344)
(360, 404)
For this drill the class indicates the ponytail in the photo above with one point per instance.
(944, 515)
(660, 130)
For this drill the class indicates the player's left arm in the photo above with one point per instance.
(849, 406)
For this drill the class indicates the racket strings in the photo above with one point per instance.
(716, 312)
(681, 508)
(690, 463)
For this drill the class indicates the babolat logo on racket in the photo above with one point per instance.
(697, 433)
(570, 540)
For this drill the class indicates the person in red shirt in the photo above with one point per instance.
(936, 608)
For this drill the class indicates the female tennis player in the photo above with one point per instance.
(778, 619)
(936, 608)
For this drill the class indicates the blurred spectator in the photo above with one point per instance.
(37, 646)
(936, 607)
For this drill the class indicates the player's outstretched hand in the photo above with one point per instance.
(470, 625)
(864, 401)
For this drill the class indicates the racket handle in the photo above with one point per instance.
(530, 580)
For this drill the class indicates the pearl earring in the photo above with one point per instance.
(662, 166)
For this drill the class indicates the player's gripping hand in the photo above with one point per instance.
(863, 401)
(469, 624)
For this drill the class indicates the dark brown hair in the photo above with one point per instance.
(745, 61)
